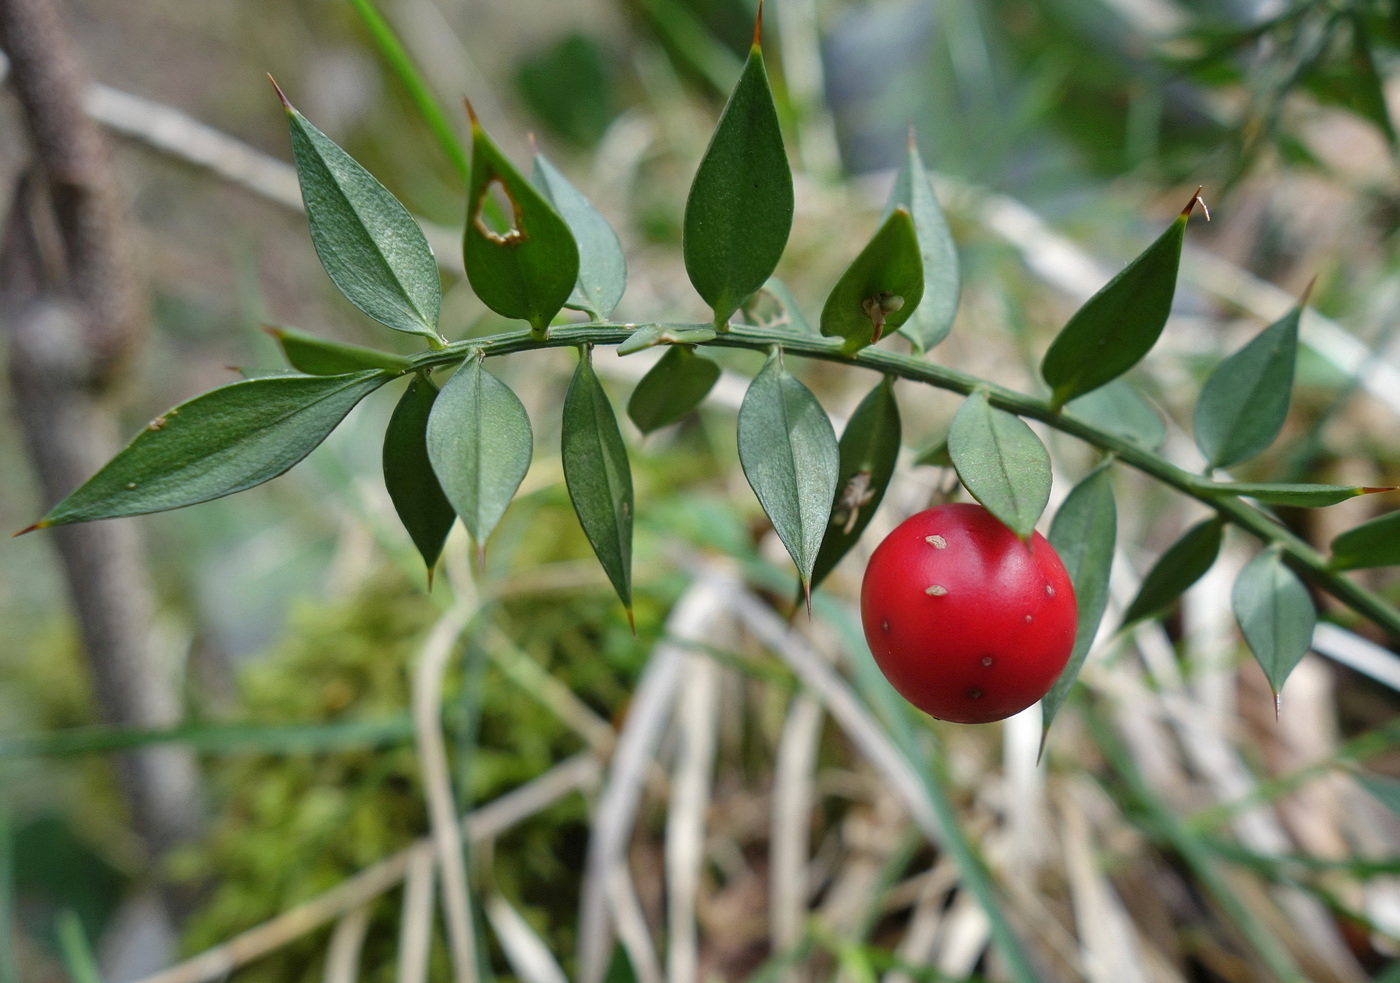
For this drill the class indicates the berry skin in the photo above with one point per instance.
(967, 621)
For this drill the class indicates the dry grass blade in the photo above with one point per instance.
(794, 795)
(651, 706)
(843, 705)
(416, 920)
(428, 678)
(632, 927)
(343, 954)
(527, 954)
(698, 723)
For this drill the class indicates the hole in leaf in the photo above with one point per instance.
(497, 214)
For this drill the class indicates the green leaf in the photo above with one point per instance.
(527, 270)
(869, 448)
(1083, 533)
(1118, 325)
(773, 306)
(1001, 462)
(880, 289)
(1243, 404)
(739, 210)
(651, 335)
(408, 472)
(790, 456)
(369, 244)
(1301, 496)
(480, 444)
(672, 388)
(932, 319)
(602, 267)
(1371, 544)
(936, 454)
(1367, 86)
(1275, 613)
(222, 442)
(598, 476)
(322, 356)
(1184, 563)
(1118, 408)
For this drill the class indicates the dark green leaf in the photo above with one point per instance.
(1184, 563)
(1119, 409)
(1275, 614)
(791, 458)
(880, 289)
(1083, 533)
(672, 388)
(1371, 544)
(739, 210)
(222, 442)
(1367, 87)
(602, 267)
(650, 335)
(1001, 462)
(598, 476)
(1243, 404)
(869, 449)
(773, 306)
(322, 356)
(933, 317)
(480, 444)
(529, 268)
(369, 244)
(1118, 325)
(408, 472)
(1302, 496)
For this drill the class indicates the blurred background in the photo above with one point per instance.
(783, 821)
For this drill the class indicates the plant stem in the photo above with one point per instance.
(1299, 554)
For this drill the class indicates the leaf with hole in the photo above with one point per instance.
(413, 486)
(739, 210)
(323, 356)
(526, 268)
(602, 267)
(880, 289)
(598, 476)
(672, 388)
(931, 320)
(791, 459)
(1084, 532)
(1001, 462)
(1275, 613)
(1118, 325)
(1184, 562)
(369, 244)
(224, 441)
(869, 448)
(1243, 403)
(480, 443)
(1372, 544)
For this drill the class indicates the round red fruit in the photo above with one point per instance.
(969, 622)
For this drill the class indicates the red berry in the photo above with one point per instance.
(966, 620)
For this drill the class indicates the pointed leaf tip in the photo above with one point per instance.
(1196, 199)
(286, 104)
(471, 113)
(758, 26)
(38, 525)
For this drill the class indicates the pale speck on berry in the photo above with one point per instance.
(1028, 619)
(937, 542)
(885, 625)
(1049, 590)
(937, 590)
(987, 661)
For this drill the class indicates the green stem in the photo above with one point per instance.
(1299, 554)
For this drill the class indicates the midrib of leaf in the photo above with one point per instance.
(378, 251)
(1001, 461)
(600, 419)
(301, 408)
(792, 491)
